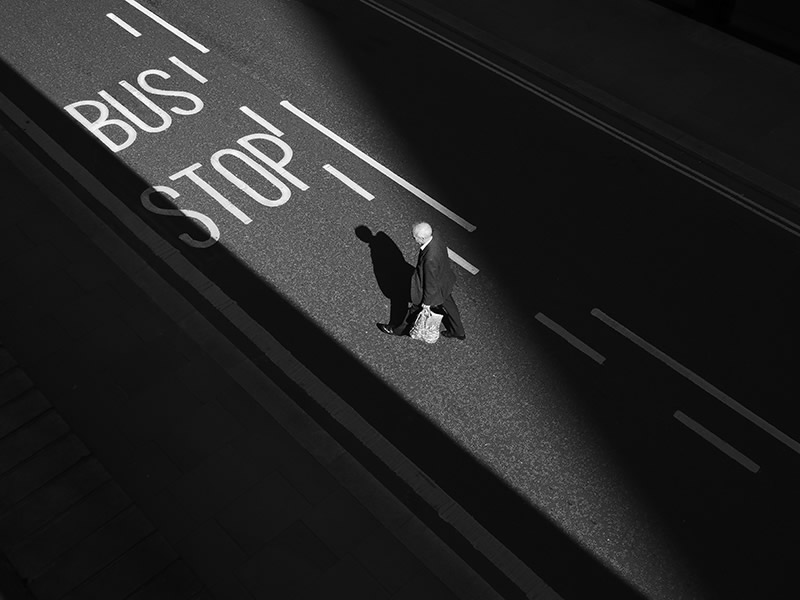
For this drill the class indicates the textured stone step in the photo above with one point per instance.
(13, 383)
(39, 469)
(32, 556)
(7, 361)
(16, 413)
(26, 441)
(50, 500)
(92, 555)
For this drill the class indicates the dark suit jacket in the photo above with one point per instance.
(433, 279)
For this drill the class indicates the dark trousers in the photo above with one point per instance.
(451, 321)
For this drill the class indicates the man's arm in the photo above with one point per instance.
(430, 285)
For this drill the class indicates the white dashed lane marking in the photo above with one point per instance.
(261, 121)
(123, 24)
(698, 381)
(717, 442)
(462, 263)
(379, 167)
(172, 29)
(187, 69)
(572, 339)
(348, 182)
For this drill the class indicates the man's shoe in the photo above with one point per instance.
(384, 327)
(450, 334)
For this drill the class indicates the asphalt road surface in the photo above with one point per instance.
(622, 414)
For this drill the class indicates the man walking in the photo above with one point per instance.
(431, 286)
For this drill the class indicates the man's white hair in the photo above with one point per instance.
(422, 229)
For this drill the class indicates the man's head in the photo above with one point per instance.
(422, 232)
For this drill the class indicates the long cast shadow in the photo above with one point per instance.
(392, 271)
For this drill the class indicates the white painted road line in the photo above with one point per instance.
(641, 146)
(379, 167)
(698, 381)
(187, 69)
(167, 26)
(348, 182)
(123, 24)
(583, 347)
(717, 441)
(462, 263)
(261, 121)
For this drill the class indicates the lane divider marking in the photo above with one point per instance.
(379, 167)
(348, 182)
(580, 345)
(698, 381)
(123, 24)
(172, 29)
(472, 269)
(717, 442)
(261, 121)
(187, 69)
(641, 146)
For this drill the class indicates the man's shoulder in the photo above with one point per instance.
(433, 243)
(437, 248)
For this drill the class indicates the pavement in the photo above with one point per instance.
(148, 451)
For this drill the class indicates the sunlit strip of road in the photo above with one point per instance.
(123, 24)
(348, 182)
(379, 167)
(698, 381)
(637, 144)
(172, 29)
(717, 442)
(572, 339)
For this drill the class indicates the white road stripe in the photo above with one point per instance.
(261, 121)
(641, 146)
(583, 347)
(699, 381)
(123, 24)
(187, 69)
(462, 263)
(379, 167)
(348, 182)
(167, 26)
(717, 441)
